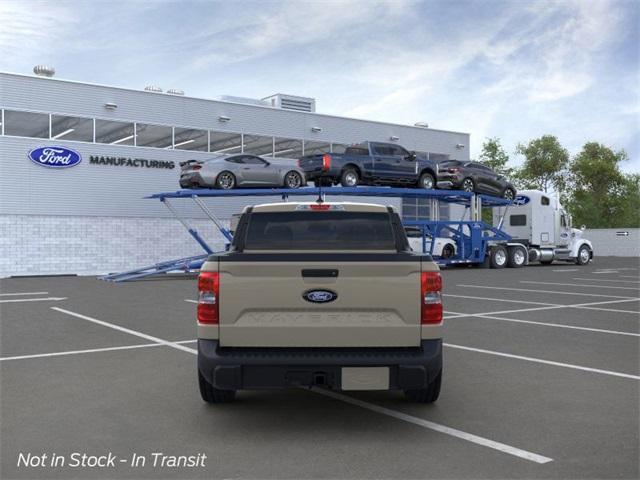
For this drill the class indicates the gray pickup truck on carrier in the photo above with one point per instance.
(319, 294)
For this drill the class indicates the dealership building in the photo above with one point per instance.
(92, 217)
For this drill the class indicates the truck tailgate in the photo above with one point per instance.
(377, 304)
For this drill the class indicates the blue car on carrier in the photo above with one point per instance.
(371, 163)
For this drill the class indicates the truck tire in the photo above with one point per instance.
(499, 257)
(427, 181)
(349, 178)
(517, 257)
(426, 395)
(213, 395)
(584, 255)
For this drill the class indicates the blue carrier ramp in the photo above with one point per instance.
(471, 237)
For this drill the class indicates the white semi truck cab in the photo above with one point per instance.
(538, 221)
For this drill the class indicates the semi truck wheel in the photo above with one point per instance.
(213, 395)
(499, 257)
(517, 257)
(584, 255)
(426, 395)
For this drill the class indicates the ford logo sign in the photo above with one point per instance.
(521, 200)
(55, 157)
(319, 296)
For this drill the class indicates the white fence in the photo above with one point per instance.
(615, 242)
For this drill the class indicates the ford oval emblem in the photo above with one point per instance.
(319, 296)
(521, 200)
(55, 157)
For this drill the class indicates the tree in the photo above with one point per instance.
(545, 164)
(600, 195)
(495, 157)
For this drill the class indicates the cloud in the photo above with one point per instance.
(32, 29)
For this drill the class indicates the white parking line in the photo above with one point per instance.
(190, 301)
(628, 276)
(552, 306)
(567, 270)
(544, 324)
(546, 362)
(604, 280)
(469, 437)
(20, 300)
(126, 330)
(23, 293)
(415, 420)
(530, 290)
(581, 285)
(91, 350)
(500, 300)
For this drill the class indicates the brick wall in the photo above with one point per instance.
(42, 245)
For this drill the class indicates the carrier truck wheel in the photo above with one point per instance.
(213, 395)
(426, 395)
(499, 257)
(584, 255)
(517, 257)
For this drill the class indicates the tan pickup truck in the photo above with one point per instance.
(319, 294)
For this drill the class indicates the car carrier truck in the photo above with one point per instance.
(538, 222)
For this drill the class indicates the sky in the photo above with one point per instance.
(509, 69)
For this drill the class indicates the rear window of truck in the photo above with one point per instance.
(311, 230)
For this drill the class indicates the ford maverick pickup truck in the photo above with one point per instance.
(319, 295)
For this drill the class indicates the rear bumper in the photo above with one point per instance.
(190, 180)
(265, 368)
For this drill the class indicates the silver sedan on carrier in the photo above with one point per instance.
(241, 170)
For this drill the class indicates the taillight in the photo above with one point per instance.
(209, 297)
(431, 298)
(299, 162)
(320, 206)
(196, 167)
(326, 162)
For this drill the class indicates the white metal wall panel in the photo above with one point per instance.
(74, 98)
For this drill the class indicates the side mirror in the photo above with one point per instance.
(266, 164)
(412, 156)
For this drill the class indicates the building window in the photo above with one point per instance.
(157, 136)
(26, 124)
(114, 133)
(258, 145)
(315, 148)
(287, 148)
(71, 128)
(225, 142)
(190, 139)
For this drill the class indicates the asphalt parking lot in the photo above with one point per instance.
(541, 380)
